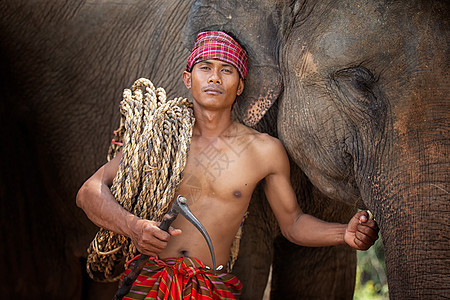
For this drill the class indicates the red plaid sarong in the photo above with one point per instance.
(181, 279)
(218, 45)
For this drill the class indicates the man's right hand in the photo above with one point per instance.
(361, 232)
(149, 239)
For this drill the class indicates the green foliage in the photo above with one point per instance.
(371, 282)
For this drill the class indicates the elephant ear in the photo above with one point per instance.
(262, 88)
(263, 85)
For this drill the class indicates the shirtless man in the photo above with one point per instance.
(226, 160)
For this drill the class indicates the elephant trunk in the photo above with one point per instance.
(410, 199)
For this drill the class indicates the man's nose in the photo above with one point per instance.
(215, 78)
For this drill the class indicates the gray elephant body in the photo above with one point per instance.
(364, 112)
(361, 107)
(64, 68)
(375, 74)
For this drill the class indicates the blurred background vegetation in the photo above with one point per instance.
(371, 282)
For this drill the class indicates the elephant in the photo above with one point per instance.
(362, 109)
(64, 65)
(342, 83)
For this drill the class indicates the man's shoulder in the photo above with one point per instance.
(265, 151)
(260, 140)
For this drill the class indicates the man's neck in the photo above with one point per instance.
(211, 124)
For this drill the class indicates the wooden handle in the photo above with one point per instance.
(128, 281)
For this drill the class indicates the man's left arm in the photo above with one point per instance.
(303, 229)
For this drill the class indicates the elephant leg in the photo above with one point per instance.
(256, 250)
(312, 273)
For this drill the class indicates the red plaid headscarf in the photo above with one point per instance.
(218, 45)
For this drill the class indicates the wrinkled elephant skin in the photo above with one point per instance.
(356, 91)
(64, 66)
(364, 112)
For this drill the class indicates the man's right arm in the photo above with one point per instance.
(97, 201)
(303, 229)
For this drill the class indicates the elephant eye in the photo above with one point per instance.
(357, 90)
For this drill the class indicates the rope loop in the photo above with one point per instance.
(155, 134)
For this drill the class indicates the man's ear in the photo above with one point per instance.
(187, 79)
(240, 88)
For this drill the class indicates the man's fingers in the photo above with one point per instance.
(153, 240)
(369, 230)
(364, 229)
(364, 216)
(152, 243)
(369, 224)
(366, 238)
(174, 231)
(360, 217)
(157, 233)
(362, 245)
(151, 247)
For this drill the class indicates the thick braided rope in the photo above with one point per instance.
(156, 135)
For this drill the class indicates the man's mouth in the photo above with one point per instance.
(213, 90)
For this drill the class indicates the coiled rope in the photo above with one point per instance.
(154, 135)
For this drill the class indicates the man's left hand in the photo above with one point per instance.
(361, 232)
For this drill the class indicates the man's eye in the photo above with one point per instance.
(227, 70)
(204, 67)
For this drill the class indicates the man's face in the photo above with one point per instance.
(214, 83)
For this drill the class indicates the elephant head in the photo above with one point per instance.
(362, 110)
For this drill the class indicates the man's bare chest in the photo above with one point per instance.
(224, 169)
